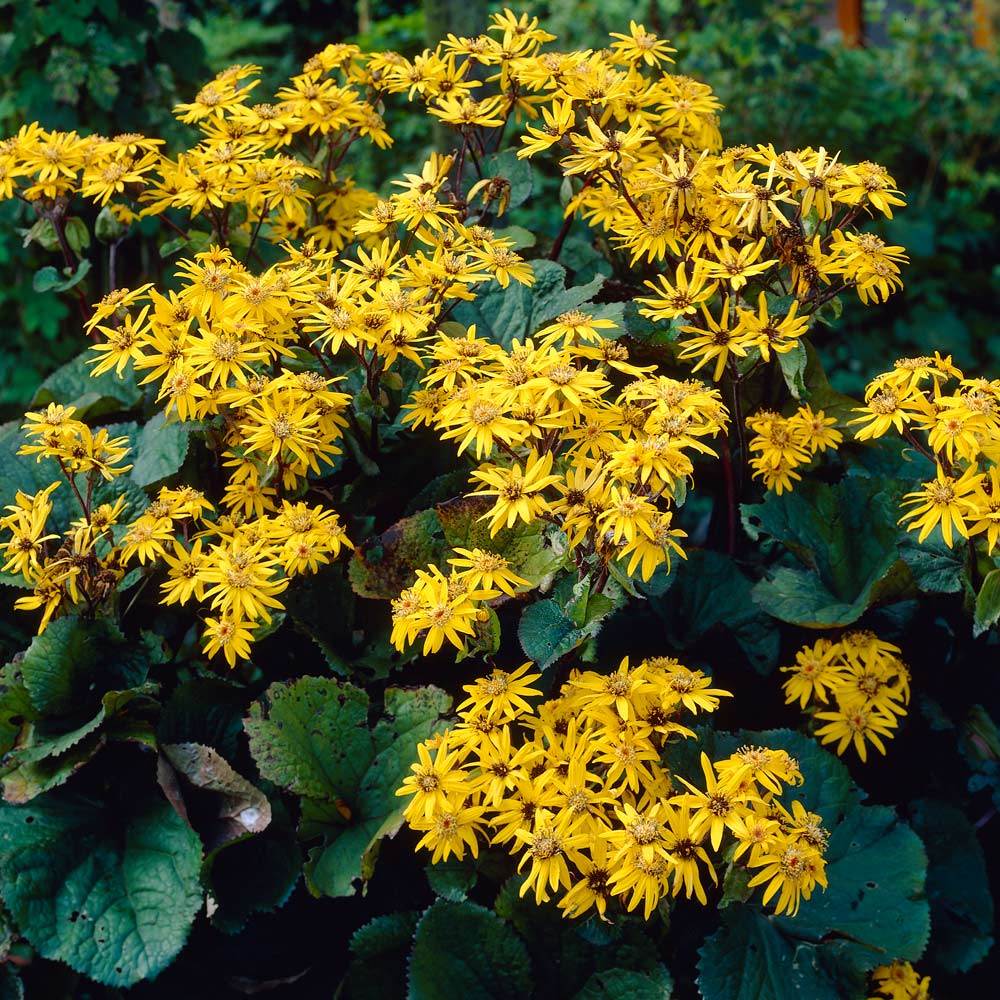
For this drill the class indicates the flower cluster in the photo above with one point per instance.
(954, 422)
(238, 575)
(899, 981)
(577, 787)
(785, 443)
(448, 607)
(602, 465)
(86, 565)
(865, 679)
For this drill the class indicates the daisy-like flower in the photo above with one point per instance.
(944, 501)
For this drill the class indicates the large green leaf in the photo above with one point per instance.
(874, 908)
(846, 535)
(379, 952)
(958, 886)
(111, 890)
(516, 312)
(749, 959)
(314, 739)
(159, 450)
(525, 546)
(711, 592)
(987, 604)
(547, 633)
(936, 567)
(465, 950)
(73, 662)
(48, 753)
(614, 984)
(74, 385)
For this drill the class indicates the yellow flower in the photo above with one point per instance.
(683, 296)
(230, 636)
(721, 338)
(501, 695)
(518, 493)
(548, 844)
(450, 830)
(735, 266)
(852, 724)
(792, 870)
(640, 45)
(944, 501)
(433, 783)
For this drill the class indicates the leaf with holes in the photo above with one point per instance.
(111, 890)
(749, 959)
(314, 739)
(874, 907)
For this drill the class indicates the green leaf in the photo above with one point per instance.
(92, 395)
(552, 299)
(50, 751)
(77, 236)
(711, 592)
(48, 279)
(958, 886)
(110, 891)
(987, 603)
(44, 234)
(465, 950)
(820, 525)
(546, 633)
(505, 314)
(615, 984)
(16, 715)
(936, 567)
(793, 368)
(47, 762)
(748, 959)
(73, 662)
(380, 949)
(874, 909)
(387, 563)
(159, 451)
(521, 238)
(501, 315)
(314, 740)
(452, 879)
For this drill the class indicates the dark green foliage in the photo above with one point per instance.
(110, 891)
